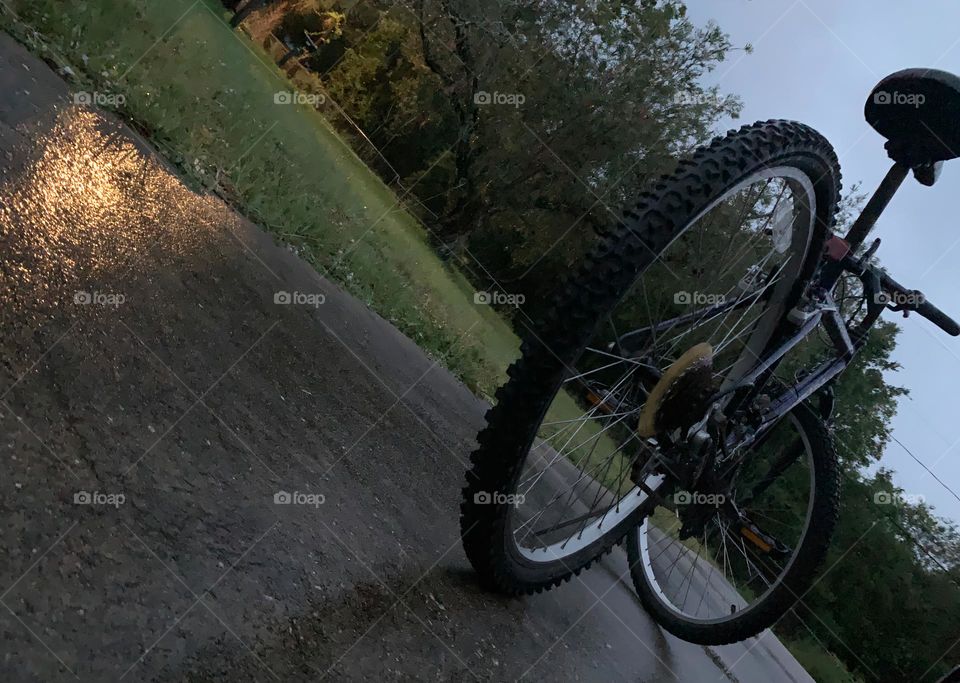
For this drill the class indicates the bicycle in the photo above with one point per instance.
(656, 405)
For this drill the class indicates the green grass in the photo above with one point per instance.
(821, 664)
(204, 95)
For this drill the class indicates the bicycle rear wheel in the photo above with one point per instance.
(716, 254)
(742, 572)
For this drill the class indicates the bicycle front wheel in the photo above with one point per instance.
(715, 255)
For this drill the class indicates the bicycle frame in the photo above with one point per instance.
(798, 324)
(837, 260)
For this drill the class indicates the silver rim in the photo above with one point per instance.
(595, 506)
(712, 603)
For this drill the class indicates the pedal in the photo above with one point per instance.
(602, 400)
(765, 543)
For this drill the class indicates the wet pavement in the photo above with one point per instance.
(208, 474)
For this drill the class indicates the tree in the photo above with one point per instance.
(520, 134)
(561, 116)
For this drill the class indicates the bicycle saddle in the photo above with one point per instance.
(918, 111)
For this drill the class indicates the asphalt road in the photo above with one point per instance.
(156, 401)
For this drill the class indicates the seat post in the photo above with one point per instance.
(878, 202)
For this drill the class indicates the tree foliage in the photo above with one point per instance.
(520, 132)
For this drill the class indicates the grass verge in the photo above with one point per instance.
(820, 663)
(204, 95)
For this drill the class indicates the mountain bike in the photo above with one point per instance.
(677, 396)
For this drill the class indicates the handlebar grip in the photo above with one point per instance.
(939, 318)
(926, 309)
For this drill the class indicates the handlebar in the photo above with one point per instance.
(939, 318)
(904, 299)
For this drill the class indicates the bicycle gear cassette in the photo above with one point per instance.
(679, 398)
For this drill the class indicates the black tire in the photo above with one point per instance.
(607, 274)
(795, 581)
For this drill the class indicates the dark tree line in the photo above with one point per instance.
(520, 131)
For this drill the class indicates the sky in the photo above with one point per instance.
(816, 61)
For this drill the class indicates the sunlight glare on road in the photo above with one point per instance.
(89, 202)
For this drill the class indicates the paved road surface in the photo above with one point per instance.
(146, 363)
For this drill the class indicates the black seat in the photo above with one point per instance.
(918, 111)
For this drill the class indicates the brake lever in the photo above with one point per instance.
(906, 307)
